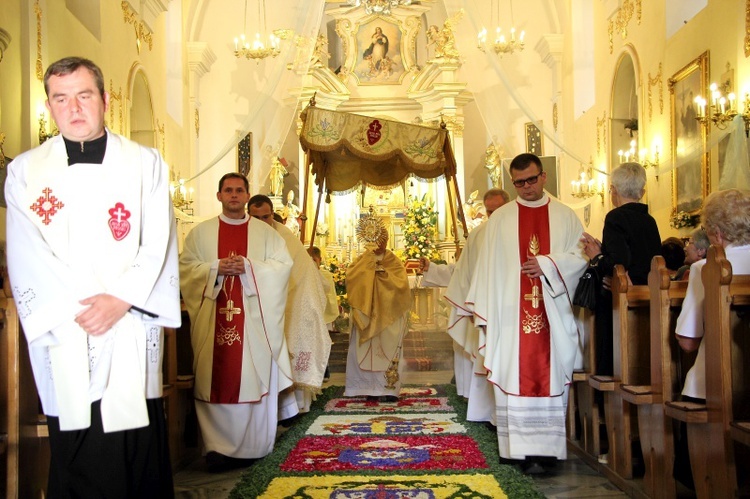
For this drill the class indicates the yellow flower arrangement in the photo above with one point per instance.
(419, 229)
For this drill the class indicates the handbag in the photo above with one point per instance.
(588, 288)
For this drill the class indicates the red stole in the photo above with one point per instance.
(229, 331)
(534, 344)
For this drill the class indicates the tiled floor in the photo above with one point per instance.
(570, 479)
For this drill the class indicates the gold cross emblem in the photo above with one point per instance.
(230, 310)
(534, 297)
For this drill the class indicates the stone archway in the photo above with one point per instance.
(142, 129)
(625, 109)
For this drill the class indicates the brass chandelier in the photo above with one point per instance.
(257, 48)
(501, 45)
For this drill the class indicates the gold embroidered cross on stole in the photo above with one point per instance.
(230, 310)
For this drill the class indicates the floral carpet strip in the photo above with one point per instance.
(420, 447)
(387, 424)
(327, 454)
(361, 404)
(391, 487)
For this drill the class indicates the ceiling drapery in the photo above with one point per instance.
(348, 149)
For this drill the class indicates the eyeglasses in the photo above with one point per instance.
(530, 180)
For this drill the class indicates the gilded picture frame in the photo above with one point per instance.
(689, 137)
(245, 154)
(379, 50)
(534, 138)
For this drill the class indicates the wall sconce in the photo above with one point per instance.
(628, 155)
(182, 197)
(44, 135)
(585, 186)
(644, 160)
(722, 110)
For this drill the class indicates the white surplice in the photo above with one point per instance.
(473, 376)
(80, 230)
(538, 423)
(690, 320)
(246, 429)
(306, 331)
(440, 275)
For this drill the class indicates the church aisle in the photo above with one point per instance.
(570, 479)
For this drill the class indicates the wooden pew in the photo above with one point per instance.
(26, 456)
(656, 430)
(582, 405)
(9, 423)
(727, 349)
(632, 366)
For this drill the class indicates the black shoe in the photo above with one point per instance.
(217, 463)
(288, 422)
(490, 426)
(389, 398)
(534, 468)
(373, 398)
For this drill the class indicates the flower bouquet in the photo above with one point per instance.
(680, 219)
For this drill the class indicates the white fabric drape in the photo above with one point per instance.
(274, 106)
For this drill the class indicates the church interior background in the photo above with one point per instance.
(585, 84)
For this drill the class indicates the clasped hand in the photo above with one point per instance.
(103, 311)
(232, 265)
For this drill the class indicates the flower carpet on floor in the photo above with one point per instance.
(351, 447)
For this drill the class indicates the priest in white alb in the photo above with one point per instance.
(527, 271)
(92, 261)
(468, 360)
(305, 327)
(234, 274)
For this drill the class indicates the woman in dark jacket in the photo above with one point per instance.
(630, 238)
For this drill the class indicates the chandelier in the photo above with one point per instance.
(501, 45)
(378, 6)
(257, 49)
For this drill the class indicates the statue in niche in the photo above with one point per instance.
(492, 164)
(290, 213)
(444, 39)
(278, 172)
(474, 211)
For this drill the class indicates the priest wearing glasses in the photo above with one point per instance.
(530, 262)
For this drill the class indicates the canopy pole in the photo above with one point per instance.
(303, 215)
(460, 206)
(317, 208)
(453, 219)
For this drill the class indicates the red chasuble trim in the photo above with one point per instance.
(229, 331)
(534, 341)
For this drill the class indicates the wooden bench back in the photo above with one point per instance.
(727, 349)
(667, 371)
(631, 328)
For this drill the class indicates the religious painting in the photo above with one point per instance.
(689, 137)
(549, 165)
(534, 138)
(245, 154)
(379, 50)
